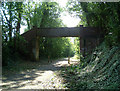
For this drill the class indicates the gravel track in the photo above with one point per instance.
(44, 77)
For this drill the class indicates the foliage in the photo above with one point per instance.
(41, 15)
(102, 72)
(53, 47)
(77, 45)
(11, 19)
(99, 70)
(56, 47)
(105, 15)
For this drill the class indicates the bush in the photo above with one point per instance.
(11, 53)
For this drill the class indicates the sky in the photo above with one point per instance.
(67, 19)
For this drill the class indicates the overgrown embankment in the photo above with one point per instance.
(100, 70)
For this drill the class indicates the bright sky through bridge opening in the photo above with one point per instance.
(66, 18)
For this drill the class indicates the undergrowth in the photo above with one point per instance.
(100, 70)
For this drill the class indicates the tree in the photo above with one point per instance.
(99, 14)
(41, 15)
(11, 21)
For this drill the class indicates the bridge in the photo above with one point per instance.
(89, 37)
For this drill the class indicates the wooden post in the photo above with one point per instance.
(68, 59)
(37, 49)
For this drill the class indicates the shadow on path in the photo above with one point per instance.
(34, 76)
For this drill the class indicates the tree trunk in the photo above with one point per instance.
(10, 22)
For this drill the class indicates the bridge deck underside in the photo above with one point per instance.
(84, 32)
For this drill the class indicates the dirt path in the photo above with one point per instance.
(43, 77)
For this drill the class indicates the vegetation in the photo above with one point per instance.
(41, 15)
(50, 47)
(100, 70)
(11, 20)
(105, 15)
